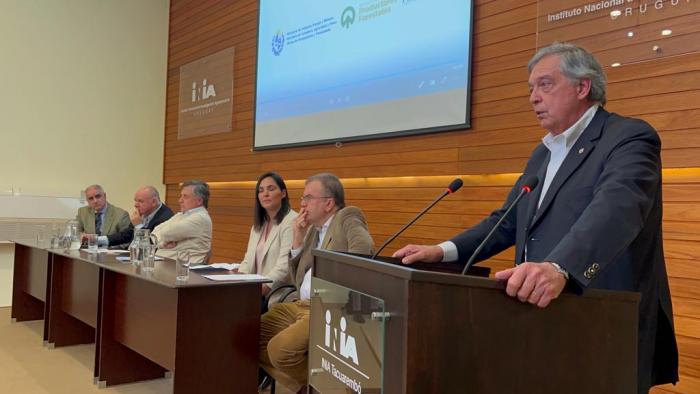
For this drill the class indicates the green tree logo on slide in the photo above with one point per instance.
(347, 18)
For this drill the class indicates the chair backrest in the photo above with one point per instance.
(281, 293)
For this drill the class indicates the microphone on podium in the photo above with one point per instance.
(527, 186)
(453, 187)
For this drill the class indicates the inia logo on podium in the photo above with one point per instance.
(340, 341)
(203, 93)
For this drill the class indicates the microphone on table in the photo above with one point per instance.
(527, 186)
(453, 187)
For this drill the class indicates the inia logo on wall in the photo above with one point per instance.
(206, 95)
(205, 92)
(340, 341)
(278, 43)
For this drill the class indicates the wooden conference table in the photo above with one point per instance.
(143, 324)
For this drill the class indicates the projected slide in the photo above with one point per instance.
(333, 70)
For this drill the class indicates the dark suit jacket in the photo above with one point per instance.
(124, 237)
(347, 232)
(601, 221)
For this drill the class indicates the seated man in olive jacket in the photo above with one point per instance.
(101, 217)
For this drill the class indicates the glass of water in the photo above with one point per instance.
(182, 265)
(40, 230)
(91, 242)
(148, 263)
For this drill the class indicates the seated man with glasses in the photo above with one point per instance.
(324, 222)
(101, 217)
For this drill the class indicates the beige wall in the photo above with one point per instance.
(83, 95)
(82, 99)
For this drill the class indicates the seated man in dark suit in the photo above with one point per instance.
(149, 213)
(101, 217)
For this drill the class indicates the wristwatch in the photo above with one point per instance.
(560, 270)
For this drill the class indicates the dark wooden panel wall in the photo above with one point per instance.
(394, 178)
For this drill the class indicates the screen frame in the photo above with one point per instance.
(338, 142)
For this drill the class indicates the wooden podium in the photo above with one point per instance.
(449, 333)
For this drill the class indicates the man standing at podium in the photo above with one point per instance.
(595, 219)
(324, 222)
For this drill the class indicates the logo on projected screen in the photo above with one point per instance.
(347, 18)
(278, 43)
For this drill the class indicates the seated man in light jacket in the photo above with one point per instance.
(101, 217)
(190, 229)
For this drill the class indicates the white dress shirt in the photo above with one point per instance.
(305, 291)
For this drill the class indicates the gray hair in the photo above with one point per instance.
(576, 64)
(95, 186)
(332, 186)
(200, 189)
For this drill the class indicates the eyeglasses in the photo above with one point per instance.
(95, 197)
(309, 197)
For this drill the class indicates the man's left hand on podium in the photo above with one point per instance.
(536, 283)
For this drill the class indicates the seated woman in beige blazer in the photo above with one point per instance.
(271, 235)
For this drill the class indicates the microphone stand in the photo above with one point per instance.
(523, 191)
(421, 213)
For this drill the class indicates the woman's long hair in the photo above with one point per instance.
(260, 215)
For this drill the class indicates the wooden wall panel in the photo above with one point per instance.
(392, 179)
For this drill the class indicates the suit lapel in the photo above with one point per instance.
(157, 218)
(534, 198)
(306, 259)
(90, 225)
(525, 213)
(328, 238)
(270, 237)
(577, 155)
(107, 220)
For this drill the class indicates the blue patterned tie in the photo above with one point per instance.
(98, 223)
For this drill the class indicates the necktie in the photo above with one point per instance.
(98, 223)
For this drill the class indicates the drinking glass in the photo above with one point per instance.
(91, 242)
(182, 265)
(148, 263)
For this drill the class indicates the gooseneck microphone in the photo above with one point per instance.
(453, 187)
(527, 186)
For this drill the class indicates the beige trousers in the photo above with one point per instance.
(284, 343)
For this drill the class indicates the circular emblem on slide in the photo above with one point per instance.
(347, 18)
(278, 43)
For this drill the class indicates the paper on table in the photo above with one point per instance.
(235, 277)
(100, 250)
(127, 258)
(226, 266)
